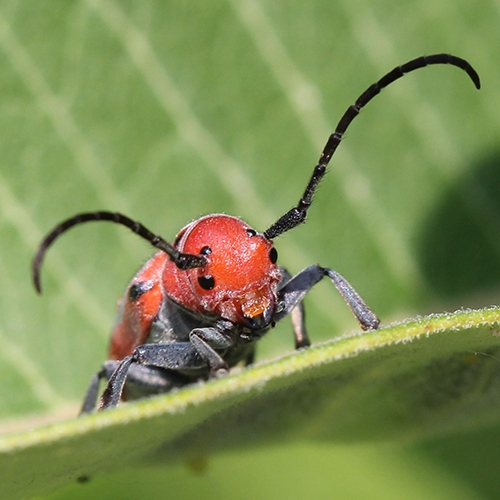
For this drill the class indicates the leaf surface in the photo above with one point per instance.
(438, 374)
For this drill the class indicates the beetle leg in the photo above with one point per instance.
(141, 381)
(294, 291)
(297, 314)
(114, 389)
(193, 355)
(299, 326)
(175, 356)
(250, 358)
(90, 401)
(205, 341)
(366, 317)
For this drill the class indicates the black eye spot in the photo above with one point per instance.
(251, 232)
(206, 250)
(139, 289)
(273, 255)
(206, 282)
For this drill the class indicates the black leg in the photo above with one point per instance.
(197, 356)
(250, 359)
(297, 314)
(90, 401)
(113, 392)
(293, 292)
(205, 340)
(366, 317)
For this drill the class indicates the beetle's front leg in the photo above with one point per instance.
(205, 341)
(143, 379)
(293, 292)
(107, 369)
(174, 356)
(184, 356)
(365, 316)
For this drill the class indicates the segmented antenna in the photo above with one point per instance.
(182, 260)
(298, 214)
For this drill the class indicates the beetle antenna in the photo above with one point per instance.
(182, 260)
(298, 214)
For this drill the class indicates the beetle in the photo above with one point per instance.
(198, 306)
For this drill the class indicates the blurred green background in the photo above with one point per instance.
(168, 110)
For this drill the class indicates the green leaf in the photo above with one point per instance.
(438, 373)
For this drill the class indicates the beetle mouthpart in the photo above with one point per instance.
(256, 308)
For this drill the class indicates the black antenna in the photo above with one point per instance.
(298, 214)
(182, 260)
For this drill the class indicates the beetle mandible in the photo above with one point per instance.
(198, 306)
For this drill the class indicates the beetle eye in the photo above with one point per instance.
(206, 250)
(273, 255)
(206, 282)
(251, 232)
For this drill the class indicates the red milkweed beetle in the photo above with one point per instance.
(198, 306)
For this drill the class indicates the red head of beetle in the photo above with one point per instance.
(238, 283)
